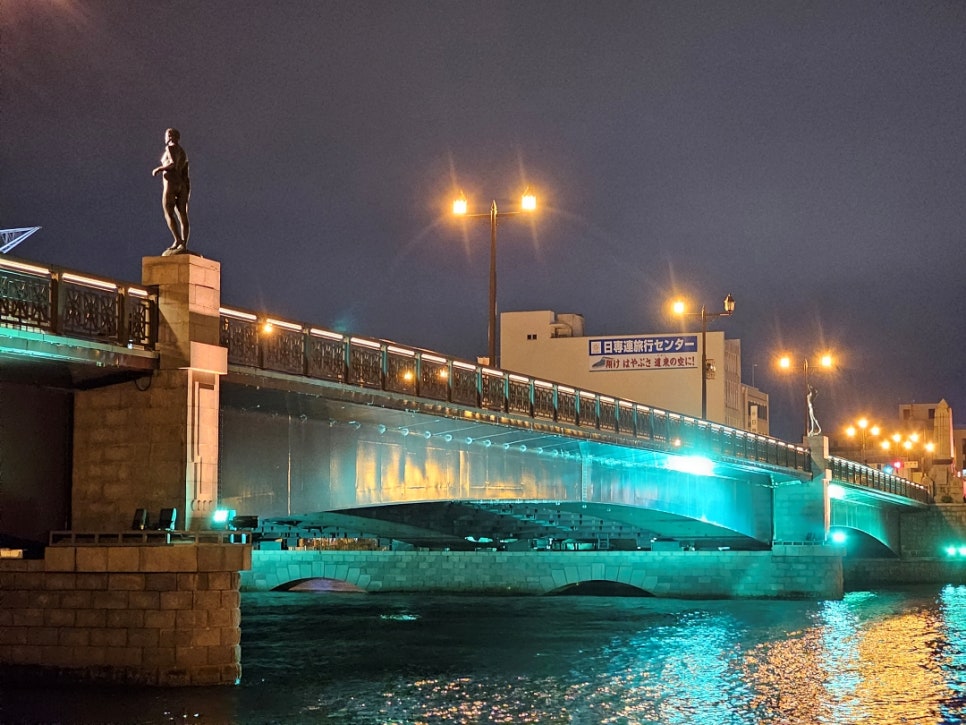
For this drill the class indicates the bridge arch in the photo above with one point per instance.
(320, 584)
(600, 588)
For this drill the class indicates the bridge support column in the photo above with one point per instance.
(801, 510)
(153, 443)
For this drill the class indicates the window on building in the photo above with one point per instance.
(757, 410)
(932, 413)
(532, 336)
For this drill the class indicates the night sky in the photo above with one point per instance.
(807, 157)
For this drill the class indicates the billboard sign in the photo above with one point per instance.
(643, 352)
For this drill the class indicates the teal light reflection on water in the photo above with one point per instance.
(879, 658)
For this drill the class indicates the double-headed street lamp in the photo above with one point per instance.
(528, 203)
(812, 428)
(863, 428)
(729, 309)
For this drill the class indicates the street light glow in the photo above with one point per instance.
(528, 204)
(680, 309)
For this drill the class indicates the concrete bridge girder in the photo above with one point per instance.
(286, 456)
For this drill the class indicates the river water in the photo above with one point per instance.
(883, 657)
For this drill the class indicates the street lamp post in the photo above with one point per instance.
(812, 427)
(528, 203)
(729, 309)
(866, 429)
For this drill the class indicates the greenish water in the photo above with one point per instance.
(878, 657)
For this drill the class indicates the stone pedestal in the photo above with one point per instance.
(801, 510)
(153, 443)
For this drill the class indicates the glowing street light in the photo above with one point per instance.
(681, 309)
(825, 362)
(528, 204)
(863, 428)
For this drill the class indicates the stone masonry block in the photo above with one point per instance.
(188, 582)
(126, 582)
(218, 580)
(125, 618)
(191, 655)
(123, 656)
(208, 600)
(43, 636)
(168, 558)
(189, 619)
(140, 637)
(91, 618)
(176, 600)
(207, 637)
(28, 618)
(91, 559)
(123, 558)
(75, 637)
(60, 617)
(110, 600)
(59, 558)
(161, 581)
(145, 600)
(162, 656)
(160, 619)
(91, 582)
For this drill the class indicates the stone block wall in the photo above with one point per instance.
(155, 615)
(129, 452)
(786, 572)
(925, 534)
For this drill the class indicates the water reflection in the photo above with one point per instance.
(875, 657)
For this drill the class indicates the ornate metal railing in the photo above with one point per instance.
(61, 302)
(281, 346)
(857, 474)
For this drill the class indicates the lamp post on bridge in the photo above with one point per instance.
(528, 204)
(729, 309)
(826, 362)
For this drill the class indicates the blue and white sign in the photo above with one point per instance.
(644, 352)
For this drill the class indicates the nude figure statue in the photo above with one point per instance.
(175, 190)
(814, 428)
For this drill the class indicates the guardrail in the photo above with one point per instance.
(63, 302)
(147, 538)
(860, 475)
(282, 346)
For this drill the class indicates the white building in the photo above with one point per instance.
(662, 370)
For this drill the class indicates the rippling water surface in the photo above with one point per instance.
(875, 657)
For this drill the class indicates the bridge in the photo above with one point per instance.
(325, 435)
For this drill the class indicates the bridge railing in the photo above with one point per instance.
(855, 473)
(286, 347)
(62, 302)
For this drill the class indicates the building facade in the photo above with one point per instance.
(662, 370)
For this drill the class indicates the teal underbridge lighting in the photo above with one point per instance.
(835, 491)
(956, 550)
(222, 518)
(838, 537)
(698, 465)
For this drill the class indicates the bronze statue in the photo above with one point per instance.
(175, 190)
